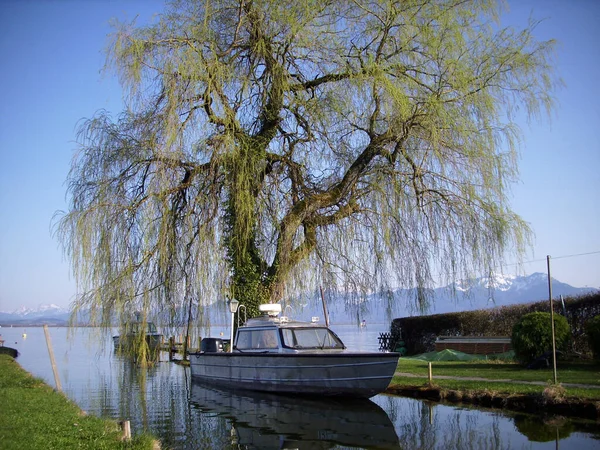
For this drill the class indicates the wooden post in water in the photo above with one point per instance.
(171, 347)
(52, 361)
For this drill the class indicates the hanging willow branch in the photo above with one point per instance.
(269, 147)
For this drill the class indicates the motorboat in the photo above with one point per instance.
(273, 353)
(132, 337)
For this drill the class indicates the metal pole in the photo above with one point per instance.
(552, 320)
(231, 337)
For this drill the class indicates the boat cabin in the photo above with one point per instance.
(271, 333)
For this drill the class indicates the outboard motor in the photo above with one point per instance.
(211, 345)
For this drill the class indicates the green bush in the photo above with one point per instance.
(592, 330)
(532, 335)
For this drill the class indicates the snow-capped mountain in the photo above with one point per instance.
(500, 290)
(479, 293)
(51, 309)
(496, 281)
(42, 314)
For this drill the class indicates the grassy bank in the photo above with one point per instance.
(34, 416)
(577, 371)
(506, 385)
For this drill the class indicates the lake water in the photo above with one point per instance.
(186, 415)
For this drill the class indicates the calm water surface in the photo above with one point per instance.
(186, 415)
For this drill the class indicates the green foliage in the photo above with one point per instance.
(271, 147)
(592, 330)
(532, 335)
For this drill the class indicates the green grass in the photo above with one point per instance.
(580, 372)
(497, 387)
(34, 416)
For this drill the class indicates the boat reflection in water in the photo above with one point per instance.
(265, 421)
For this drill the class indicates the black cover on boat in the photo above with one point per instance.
(211, 345)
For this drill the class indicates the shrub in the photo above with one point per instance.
(532, 335)
(592, 330)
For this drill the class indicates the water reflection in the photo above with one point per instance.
(538, 430)
(161, 400)
(269, 421)
(433, 425)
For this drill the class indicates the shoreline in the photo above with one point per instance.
(529, 403)
(42, 417)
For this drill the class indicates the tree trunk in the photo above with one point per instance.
(250, 284)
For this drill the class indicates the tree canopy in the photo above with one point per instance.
(269, 147)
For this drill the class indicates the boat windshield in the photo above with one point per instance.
(301, 338)
(257, 339)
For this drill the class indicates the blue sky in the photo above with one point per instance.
(52, 53)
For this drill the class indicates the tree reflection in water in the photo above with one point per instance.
(432, 425)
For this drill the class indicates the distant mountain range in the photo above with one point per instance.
(502, 290)
(478, 293)
(42, 315)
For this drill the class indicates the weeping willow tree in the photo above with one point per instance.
(269, 147)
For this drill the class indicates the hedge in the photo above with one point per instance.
(420, 332)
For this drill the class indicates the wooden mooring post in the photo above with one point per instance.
(126, 430)
(171, 347)
(52, 361)
(430, 373)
